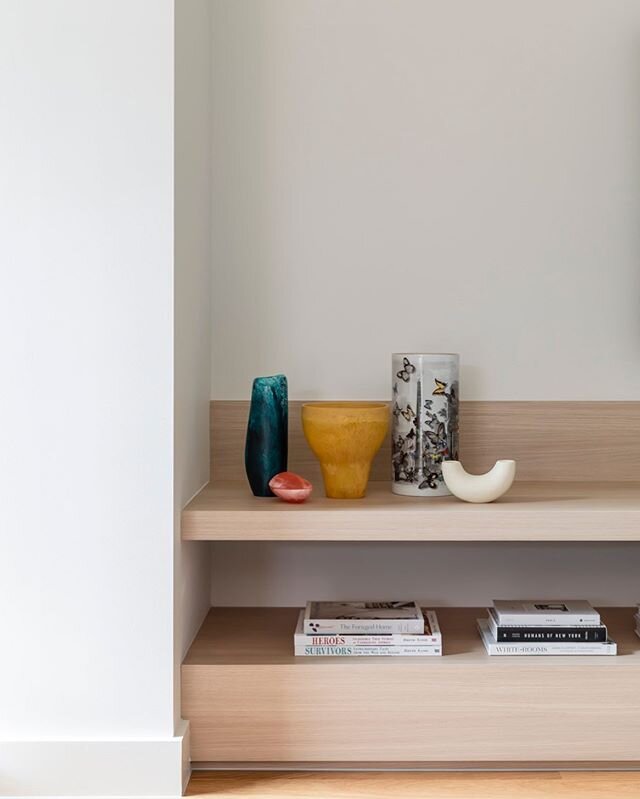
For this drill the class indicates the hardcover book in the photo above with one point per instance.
(529, 634)
(398, 643)
(493, 647)
(363, 618)
(546, 613)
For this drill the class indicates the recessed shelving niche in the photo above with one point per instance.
(250, 701)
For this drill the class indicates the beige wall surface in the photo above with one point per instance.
(460, 574)
(192, 314)
(417, 175)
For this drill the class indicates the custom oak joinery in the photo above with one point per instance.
(529, 512)
(575, 482)
(250, 700)
(550, 441)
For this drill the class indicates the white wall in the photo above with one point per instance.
(192, 307)
(420, 175)
(461, 575)
(86, 243)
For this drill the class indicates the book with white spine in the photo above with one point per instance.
(542, 648)
(546, 613)
(368, 651)
(363, 618)
(392, 643)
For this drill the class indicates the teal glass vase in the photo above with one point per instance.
(266, 448)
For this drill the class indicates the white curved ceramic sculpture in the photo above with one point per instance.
(479, 487)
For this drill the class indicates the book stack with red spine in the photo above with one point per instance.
(367, 629)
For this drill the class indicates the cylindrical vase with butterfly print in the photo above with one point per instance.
(425, 421)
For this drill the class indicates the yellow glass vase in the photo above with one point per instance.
(345, 436)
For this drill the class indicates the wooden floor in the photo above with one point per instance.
(412, 785)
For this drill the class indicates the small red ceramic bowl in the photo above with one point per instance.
(290, 487)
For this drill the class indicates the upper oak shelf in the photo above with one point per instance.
(552, 511)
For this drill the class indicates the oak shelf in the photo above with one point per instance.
(250, 636)
(531, 511)
(249, 699)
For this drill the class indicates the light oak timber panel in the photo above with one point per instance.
(568, 441)
(551, 511)
(248, 699)
(376, 785)
(529, 766)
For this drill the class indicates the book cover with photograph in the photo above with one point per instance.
(366, 618)
(430, 638)
(546, 613)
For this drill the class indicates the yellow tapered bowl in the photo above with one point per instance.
(344, 437)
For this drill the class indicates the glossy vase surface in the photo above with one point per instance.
(266, 446)
(425, 392)
(345, 437)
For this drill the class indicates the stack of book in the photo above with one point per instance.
(545, 628)
(636, 618)
(365, 629)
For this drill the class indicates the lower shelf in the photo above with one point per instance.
(250, 700)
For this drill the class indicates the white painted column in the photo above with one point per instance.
(87, 517)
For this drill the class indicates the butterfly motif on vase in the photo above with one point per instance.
(431, 481)
(407, 370)
(438, 437)
(395, 389)
(440, 387)
(408, 413)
